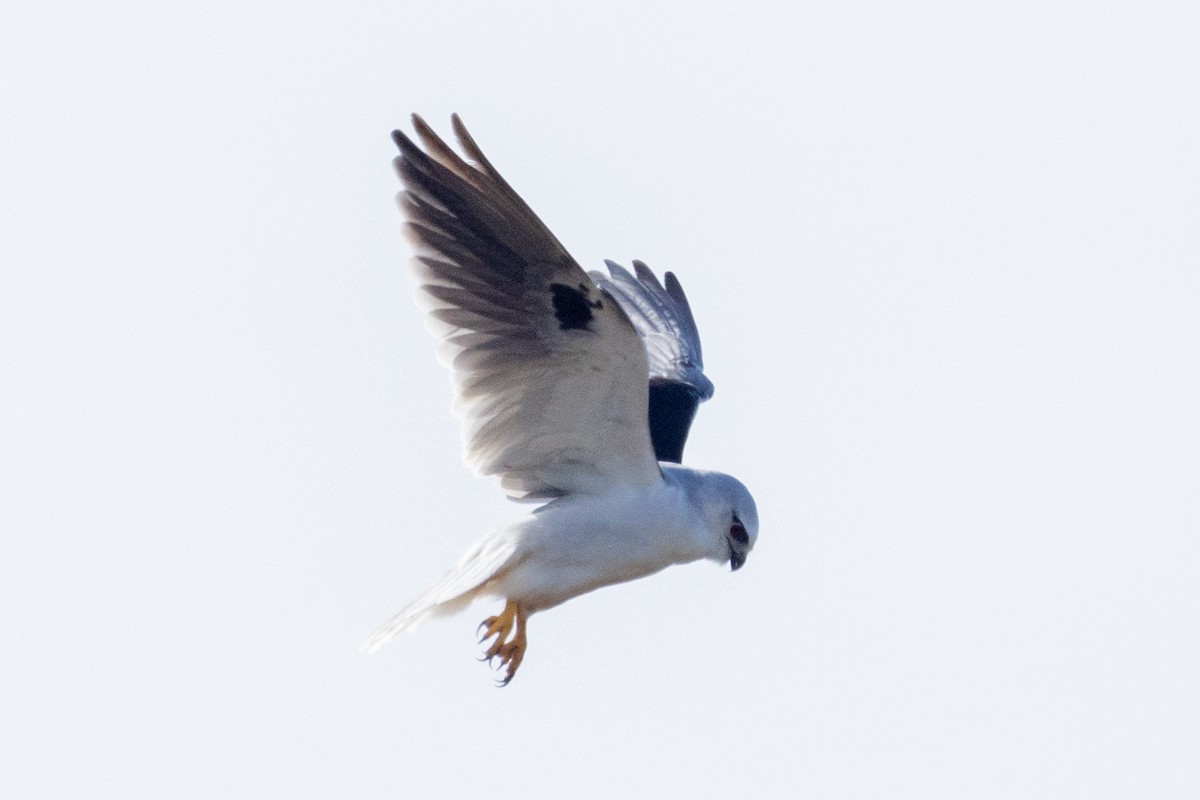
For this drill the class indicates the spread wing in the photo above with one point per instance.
(550, 374)
(664, 320)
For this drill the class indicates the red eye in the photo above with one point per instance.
(738, 532)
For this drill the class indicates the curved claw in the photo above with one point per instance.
(494, 625)
(510, 651)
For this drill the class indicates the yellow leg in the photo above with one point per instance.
(511, 652)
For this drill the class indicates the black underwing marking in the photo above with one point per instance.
(572, 307)
(672, 408)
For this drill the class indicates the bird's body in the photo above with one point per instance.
(576, 544)
(571, 387)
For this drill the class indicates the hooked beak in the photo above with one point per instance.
(736, 560)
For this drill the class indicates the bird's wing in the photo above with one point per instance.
(664, 320)
(549, 372)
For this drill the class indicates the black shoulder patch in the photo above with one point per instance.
(572, 307)
(672, 408)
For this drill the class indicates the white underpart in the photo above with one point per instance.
(583, 542)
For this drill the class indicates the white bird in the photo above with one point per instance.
(577, 390)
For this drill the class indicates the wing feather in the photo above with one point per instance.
(550, 373)
(663, 318)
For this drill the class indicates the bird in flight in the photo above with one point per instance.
(577, 389)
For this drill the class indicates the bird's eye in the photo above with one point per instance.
(737, 532)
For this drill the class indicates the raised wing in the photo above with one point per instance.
(664, 320)
(550, 374)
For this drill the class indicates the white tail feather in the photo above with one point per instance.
(454, 592)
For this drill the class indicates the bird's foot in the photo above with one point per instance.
(510, 651)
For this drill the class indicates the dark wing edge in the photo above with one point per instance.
(663, 318)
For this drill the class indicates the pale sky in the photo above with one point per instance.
(945, 262)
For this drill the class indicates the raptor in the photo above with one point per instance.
(577, 390)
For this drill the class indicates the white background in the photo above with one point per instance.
(944, 258)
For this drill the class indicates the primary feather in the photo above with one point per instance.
(549, 371)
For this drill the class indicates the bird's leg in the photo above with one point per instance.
(511, 652)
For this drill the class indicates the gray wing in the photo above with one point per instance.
(550, 374)
(664, 320)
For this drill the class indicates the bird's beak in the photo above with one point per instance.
(736, 560)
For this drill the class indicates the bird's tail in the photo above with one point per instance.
(455, 591)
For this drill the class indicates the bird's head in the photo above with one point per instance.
(729, 514)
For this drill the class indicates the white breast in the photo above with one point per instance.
(581, 543)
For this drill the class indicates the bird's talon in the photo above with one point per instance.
(509, 645)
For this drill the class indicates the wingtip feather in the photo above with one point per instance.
(646, 275)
